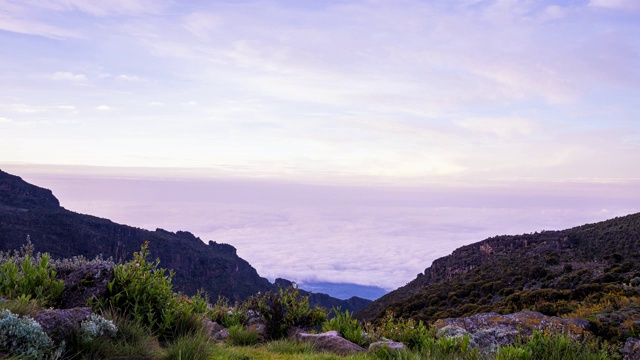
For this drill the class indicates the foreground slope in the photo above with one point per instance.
(549, 272)
(28, 210)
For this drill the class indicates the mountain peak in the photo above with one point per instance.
(17, 193)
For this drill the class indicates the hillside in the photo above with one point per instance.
(26, 209)
(553, 272)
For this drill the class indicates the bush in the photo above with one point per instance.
(285, 309)
(23, 337)
(349, 328)
(240, 336)
(132, 341)
(23, 274)
(96, 326)
(552, 347)
(143, 291)
(226, 315)
(413, 334)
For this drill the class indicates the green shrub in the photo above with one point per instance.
(414, 334)
(553, 347)
(22, 273)
(513, 353)
(348, 327)
(240, 336)
(132, 341)
(22, 305)
(227, 315)
(285, 309)
(142, 290)
(23, 337)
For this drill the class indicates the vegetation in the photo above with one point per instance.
(141, 317)
(285, 309)
(348, 327)
(587, 269)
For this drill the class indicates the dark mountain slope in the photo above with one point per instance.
(26, 209)
(549, 272)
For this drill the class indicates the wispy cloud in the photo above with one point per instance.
(68, 76)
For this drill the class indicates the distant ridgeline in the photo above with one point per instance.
(553, 272)
(26, 209)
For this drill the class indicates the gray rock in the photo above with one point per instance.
(85, 282)
(211, 327)
(222, 334)
(488, 331)
(631, 349)
(330, 341)
(60, 324)
(392, 345)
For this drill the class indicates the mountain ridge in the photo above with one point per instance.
(29, 210)
(548, 271)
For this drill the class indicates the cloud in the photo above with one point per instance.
(189, 103)
(68, 76)
(156, 103)
(23, 108)
(5, 120)
(616, 4)
(12, 23)
(501, 127)
(104, 108)
(66, 107)
(129, 78)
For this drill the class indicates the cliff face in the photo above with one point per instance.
(508, 273)
(26, 209)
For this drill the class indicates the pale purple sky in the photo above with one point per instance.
(395, 130)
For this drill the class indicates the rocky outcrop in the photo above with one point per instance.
(330, 341)
(60, 324)
(488, 331)
(631, 349)
(85, 282)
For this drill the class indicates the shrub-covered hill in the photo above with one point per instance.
(26, 209)
(554, 272)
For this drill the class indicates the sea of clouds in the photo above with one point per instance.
(381, 235)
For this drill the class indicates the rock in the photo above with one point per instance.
(85, 282)
(392, 345)
(330, 341)
(212, 327)
(293, 332)
(253, 318)
(59, 324)
(631, 349)
(488, 331)
(222, 334)
(260, 329)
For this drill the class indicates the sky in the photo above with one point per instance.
(341, 141)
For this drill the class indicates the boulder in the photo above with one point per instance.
(222, 334)
(330, 341)
(392, 345)
(85, 282)
(488, 331)
(631, 349)
(212, 327)
(60, 324)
